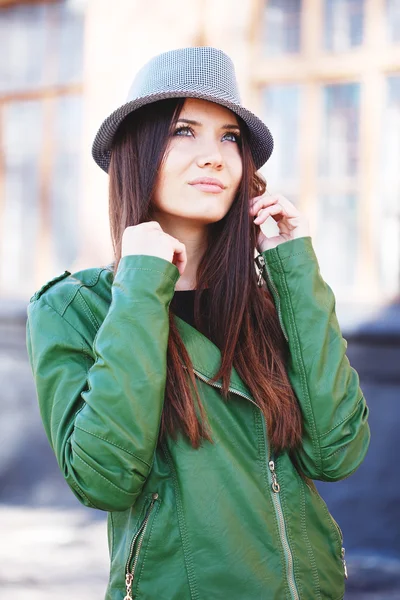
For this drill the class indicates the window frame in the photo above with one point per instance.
(48, 95)
(313, 68)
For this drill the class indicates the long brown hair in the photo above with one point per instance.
(242, 320)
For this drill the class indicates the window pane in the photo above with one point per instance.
(337, 229)
(69, 45)
(337, 225)
(393, 20)
(23, 46)
(388, 200)
(281, 111)
(281, 30)
(343, 24)
(65, 184)
(41, 44)
(22, 131)
(339, 146)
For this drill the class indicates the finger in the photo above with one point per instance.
(261, 202)
(180, 256)
(269, 211)
(153, 225)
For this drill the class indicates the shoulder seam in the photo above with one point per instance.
(88, 311)
(79, 285)
(86, 345)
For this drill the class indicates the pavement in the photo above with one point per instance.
(51, 553)
(62, 553)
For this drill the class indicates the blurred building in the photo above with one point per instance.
(324, 75)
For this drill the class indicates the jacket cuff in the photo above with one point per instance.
(143, 279)
(144, 262)
(278, 257)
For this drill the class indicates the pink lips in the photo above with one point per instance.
(208, 184)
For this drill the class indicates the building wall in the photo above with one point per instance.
(324, 75)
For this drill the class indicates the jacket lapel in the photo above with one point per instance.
(206, 356)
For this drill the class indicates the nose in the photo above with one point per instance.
(210, 157)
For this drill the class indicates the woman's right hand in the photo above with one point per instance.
(148, 238)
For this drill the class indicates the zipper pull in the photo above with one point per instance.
(344, 563)
(275, 485)
(141, 531)
(128, 583)
(260, 261)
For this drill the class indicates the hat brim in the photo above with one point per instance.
(261, 140)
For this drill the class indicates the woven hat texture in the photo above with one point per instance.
(203, 72)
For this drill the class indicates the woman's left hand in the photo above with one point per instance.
(291, 223)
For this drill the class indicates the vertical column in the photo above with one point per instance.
(310, 126)
(370, 122)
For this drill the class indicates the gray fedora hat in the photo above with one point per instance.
(204, 72)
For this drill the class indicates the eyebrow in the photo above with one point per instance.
(190, 122)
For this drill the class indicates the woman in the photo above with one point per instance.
(188, 393)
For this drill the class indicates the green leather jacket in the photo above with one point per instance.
(226, 521)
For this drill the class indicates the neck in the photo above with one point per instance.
(194, 236)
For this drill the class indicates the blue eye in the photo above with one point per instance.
(184, 130)
(235, 137)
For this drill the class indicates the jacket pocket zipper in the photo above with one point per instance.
(282, 528)
(314, 490)
(139, 535)
(343, 550)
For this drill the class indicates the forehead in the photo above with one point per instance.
(203, 110)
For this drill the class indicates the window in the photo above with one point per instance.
(40, 117)
(22, 126)
(282, 26)
(339, 142)
(337, 208)
(281, 105)
(343, 24)
(334, 112)
(393, 20)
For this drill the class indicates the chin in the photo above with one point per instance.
(207, 218)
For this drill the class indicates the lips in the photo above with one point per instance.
(208, 184)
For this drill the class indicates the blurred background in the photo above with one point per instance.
(325, 77)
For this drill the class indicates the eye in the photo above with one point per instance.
(234, 137)
(184, 130)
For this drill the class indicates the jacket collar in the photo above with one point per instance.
(206, 356)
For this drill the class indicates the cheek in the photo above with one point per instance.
(166, 178)
(236, 167)
(173, 165)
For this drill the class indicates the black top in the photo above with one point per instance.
(182, 304)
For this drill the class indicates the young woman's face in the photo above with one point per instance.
(202, 167)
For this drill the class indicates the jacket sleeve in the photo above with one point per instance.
(101, 406)
(336, 432)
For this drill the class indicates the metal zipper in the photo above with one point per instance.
(276, 500)
(140, 532)
(218, 385)
(343, 550)
(344, 563)
(262, 263)
(273, 480)
(314, 490)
